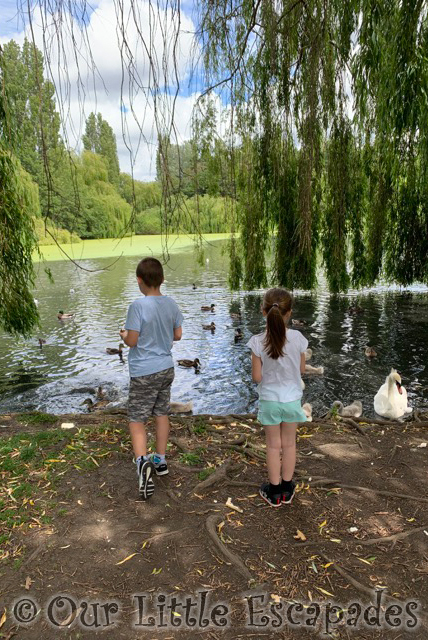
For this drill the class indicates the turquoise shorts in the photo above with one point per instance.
(271, 412)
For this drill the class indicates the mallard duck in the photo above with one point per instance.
(209, 327)
(238, 335)
(194, 287)
(308, 354)
(64, 316)
(208, 308)
(298, 323)
(353, 410)
(115, 352)
(370, 352)
(189, 363)
(41, 342)
(391, 399)
(315, 370)
(93, 406)
(236, 316)
(101, 394)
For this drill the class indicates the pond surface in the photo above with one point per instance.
(55, 378)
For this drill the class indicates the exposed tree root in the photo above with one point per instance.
(381, 492)
(159, 536)
(219, 474)
(211, 524)
(394, 539)
(351, 422)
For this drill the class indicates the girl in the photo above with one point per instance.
(278, 360)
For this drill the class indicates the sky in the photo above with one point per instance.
(96, 80)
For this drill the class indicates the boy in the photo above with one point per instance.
(152, 324)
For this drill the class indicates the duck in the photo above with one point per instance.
(194, 287)
(236, 316)
(209, 327)
(115, 352)
(308, 354)
(93, 406)
(370, 352)
(354, 410)
(181, 407)
(391, 399)
(355, 309)
(298, 323)
(64, 316)
(188, 364)
(36, 302)
(315, 370)
(100, 393)
(307, 410)
(41, 342)
(208, 308)
(238, 335)
(72, 291)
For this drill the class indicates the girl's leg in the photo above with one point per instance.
(139, 438)
(273, 453)
(288, 443)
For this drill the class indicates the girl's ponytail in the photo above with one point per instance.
(276, 304)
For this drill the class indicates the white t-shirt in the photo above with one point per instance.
(281, 378)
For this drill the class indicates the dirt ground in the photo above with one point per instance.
(359, 522)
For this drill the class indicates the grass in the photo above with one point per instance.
(199, 427)
(191, 459)
(31, 467)
(36, 417)
(203, 475)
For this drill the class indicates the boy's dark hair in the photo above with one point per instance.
(276, 303)
(150, 271)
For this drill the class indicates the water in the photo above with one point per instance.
(56, 378)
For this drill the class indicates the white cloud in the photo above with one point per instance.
(115, 73)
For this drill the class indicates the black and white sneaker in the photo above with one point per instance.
(146, 486)
(273, 499)
(161, 468)
(288, 490)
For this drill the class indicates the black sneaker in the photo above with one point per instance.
(146, 486)
(288, 490)
(273, 499)
(161, 468)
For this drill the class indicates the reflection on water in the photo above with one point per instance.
(58, 377)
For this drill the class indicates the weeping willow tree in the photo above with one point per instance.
(323, 106)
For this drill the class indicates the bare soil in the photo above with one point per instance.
(332, 544)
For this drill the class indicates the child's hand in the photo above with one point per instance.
(123, 333)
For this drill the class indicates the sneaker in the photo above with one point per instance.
(146, 486)
(273, 499)
(287, 493)
(161, 468)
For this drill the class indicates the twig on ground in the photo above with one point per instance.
(353, 424)
(394, 539)
(390, 494)
(219, 474)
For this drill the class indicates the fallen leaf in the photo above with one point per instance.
(300, 536)
(230, 504)
(28, 582)
(127, 558)
(326, 593)
(156, 572)
(71, 617)
(326, 566)
(275, 598)
(365, 561)
(335, 540)
(220, 526)
(175, 613)
(322, 525)
(3, 619)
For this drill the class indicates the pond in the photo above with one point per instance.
(56, 377)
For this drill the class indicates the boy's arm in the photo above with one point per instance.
(256, 367)
(129, 337)
(178, 332)
(302, 363)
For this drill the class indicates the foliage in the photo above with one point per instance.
(99, 138)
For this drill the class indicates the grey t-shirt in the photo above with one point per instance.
(155, 318)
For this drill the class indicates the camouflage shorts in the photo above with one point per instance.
(150, 395)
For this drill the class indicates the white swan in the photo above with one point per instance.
(315, 370)
(307, 410)
(351, 410)
(391, 399)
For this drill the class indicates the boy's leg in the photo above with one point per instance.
(139, 438)
(288, 445)
(162, 433)
(160, 411)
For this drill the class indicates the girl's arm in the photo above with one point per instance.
(302, 363)
(256, 367)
